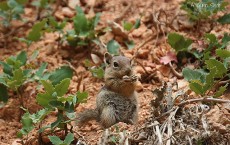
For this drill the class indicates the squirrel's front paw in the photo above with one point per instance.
(131, 78)
(134, 78)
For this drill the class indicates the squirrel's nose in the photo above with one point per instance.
(128, 71)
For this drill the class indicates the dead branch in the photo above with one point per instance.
(177, 74)
(204, 100)
(143, 67)
(224, 82)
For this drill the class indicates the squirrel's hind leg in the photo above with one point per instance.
(107, 117)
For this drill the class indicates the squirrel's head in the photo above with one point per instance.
(117, 66)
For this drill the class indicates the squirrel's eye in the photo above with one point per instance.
(115, 64)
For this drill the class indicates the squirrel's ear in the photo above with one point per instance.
(107, 58)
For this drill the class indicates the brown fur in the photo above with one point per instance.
(117, 100)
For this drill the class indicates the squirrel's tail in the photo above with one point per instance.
(87, 115)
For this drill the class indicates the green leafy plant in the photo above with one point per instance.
(57, 141)
(213, 60)
(84, 29)
(11, 10)
(54, 99)
(216, 68)
(225, 19)
(17, 71)
(181, 45)
(201, 81)
(204, 9)
(35, 33)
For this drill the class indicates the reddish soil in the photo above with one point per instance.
(148, 55)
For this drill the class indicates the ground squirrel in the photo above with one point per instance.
(117, 100)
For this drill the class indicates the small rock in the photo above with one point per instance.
(67, 12)
(147, 34)
(138, 32)
(45, 139)
(59, 15)
(28, 11)
(165, 71)
(16, 142)
(139, 69)
(147, 17)
(148, 69)
(73, 3)
(143, 53)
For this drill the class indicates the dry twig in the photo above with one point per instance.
(178, 75)
(203, 100)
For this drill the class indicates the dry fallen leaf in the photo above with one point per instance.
(96, 59)
(170, 56)
(117, 30)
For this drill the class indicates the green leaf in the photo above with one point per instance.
(178, 42)
(57, 104)
(211, 38)
(34, 55)
(197, 87)
(221, 90)
(80, 22)
(35, 33)
(71, 115)
(39, 73)
(55, 140)
(79, 10)
(58, 121)
(127, 26)
(40, 115)
(113, 47)
(209, 80)
(22, 2)
(3, 93)
(225, 19)
(129, 44)
(62, 88)
(190, 74)
(225, 40)
(44, 99)
(43, 3)
(137, 23)
(17, 80)
(3, 79)
(221, 70)
(97, 72)
(82, 97)
(16, 64)
(222, 53)
(69, 138)
(27, 123)
(4, 6)
(48, 87)
(22, 57)
(6, 68)
(60, 74)
(96, 19)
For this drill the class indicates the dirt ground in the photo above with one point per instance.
(149, 53)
